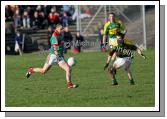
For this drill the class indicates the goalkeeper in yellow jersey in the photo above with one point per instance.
(111, 28)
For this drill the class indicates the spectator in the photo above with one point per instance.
(47, 9)
(18, 43)
(42, 19)
(67, 36)
(65, 19)
(18, 38)
(67, 9)
(8, 13)
(39, 8)
(17, 19)
(13, 8)
(30, 11)
(41, 16)
(26, 20)
(36, 21)
(101, 32)
(78, 42)
(53, 18)
(21, 9)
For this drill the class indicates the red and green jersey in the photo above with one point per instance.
(111, 28)
(56, 41)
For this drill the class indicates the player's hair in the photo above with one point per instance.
(58, 25)
(120, 34)
(111, 13)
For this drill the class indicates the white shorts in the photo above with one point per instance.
(53, 59)
(121, 61)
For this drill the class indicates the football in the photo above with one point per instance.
(71, 61)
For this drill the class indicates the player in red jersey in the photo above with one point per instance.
(55, 57)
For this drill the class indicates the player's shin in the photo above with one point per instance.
(67, 69)
(68, 78)
(68, 75)
(39, 70)
(131, 81)
(112, 75)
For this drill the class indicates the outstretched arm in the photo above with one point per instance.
(140, 53)
(135, 48)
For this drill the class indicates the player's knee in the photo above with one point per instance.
(110, 70)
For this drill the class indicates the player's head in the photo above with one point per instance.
(120, 36)
(111, 16)
(59, 28)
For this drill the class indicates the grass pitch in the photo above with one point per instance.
(95, 90)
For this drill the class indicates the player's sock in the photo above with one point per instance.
(29, 72)
(71, 85)
(114, 82)
(131, 81)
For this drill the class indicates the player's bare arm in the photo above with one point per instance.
(140, 53)
(104, 38)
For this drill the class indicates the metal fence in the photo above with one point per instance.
(135, 18)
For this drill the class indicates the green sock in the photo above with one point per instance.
(114, 81)
(132, 82)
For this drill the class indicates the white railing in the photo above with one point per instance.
(92, 19)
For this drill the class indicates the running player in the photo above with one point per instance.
(55, 56)
(122, 55)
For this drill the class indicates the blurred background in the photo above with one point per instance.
(32, 25)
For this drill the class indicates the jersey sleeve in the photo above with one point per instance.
(129, 42)
(106, 28)
(132, 47)
(122, 26)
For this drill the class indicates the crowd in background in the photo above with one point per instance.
(41, 16)
(45, 17)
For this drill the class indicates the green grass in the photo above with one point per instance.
(94, 89)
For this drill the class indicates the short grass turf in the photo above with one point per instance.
(95, 90)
